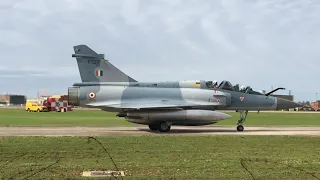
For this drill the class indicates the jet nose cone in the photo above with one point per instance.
(286, 104)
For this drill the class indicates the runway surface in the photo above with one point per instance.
(144, 130)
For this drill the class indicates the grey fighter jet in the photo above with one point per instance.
(162, 104)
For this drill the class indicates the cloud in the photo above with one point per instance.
(257, 43)
(32, 72)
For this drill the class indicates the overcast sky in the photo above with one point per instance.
(249, 42)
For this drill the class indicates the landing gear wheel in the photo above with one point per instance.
(164, 127)
(153, 127)
(240, 128)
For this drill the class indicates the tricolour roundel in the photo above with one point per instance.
(91, 95)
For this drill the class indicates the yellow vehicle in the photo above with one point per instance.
(34, 107)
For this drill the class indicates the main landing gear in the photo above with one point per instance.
(243, 116)
(162, 127)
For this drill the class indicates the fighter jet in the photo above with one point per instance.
(162, 104)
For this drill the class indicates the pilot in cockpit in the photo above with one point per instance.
(215, 84)
(242, 88)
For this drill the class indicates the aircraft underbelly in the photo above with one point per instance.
(179, 123)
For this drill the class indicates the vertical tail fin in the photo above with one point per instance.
(94, 68)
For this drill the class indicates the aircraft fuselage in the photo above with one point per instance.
(146, 105)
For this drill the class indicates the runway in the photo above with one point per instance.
(144, 130)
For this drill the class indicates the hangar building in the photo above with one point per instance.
(315, 105)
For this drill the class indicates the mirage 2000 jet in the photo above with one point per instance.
(162, 104)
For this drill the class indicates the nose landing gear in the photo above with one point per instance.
(243, 116)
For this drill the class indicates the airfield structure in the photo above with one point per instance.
(12, 99)
(315, 105)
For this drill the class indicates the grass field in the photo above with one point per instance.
(158, 157)
(165, 157)
(19, 117)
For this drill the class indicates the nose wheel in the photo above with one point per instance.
(243, 116)
(240, 128)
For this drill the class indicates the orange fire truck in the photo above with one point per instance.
(58, 103)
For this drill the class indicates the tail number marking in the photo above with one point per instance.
(94, 61)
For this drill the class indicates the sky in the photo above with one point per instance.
(261, 44)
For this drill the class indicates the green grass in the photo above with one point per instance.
(163, 157)
(19, 117)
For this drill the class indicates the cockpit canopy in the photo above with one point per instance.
(228, 86)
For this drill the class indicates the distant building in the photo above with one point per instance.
(10, 99)
(315, 105)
